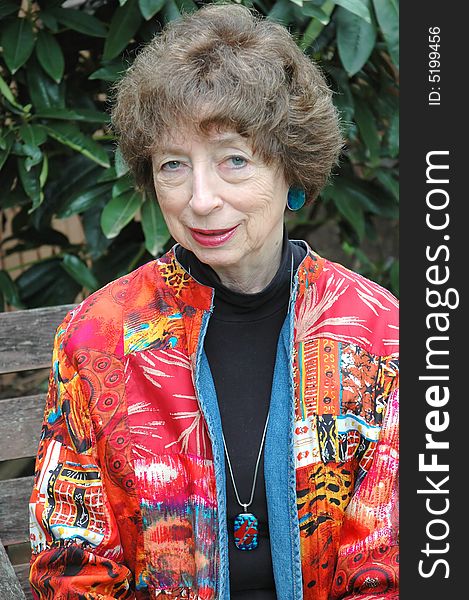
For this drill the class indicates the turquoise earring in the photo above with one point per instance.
(296, 198)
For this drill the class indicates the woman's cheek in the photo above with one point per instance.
(175, 228)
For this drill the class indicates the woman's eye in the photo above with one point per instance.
(171, 165)
(237, 161)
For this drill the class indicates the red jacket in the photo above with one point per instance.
(129, 497)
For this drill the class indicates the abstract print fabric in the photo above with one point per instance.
(125, 502)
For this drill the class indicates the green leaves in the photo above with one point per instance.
(310, 10)
(281, 11)
(121, 166)
(110, 72)
(44, 92)
(69, 135)
(78, 21)
(7, 7)
(83, 200)
(355, 40)
(154, 226)
(8, 292)
(368, 131)
(18, 43)
(33, 135)
(32, 177)
(5, 148)
(356, 7)
(357, 201)
(356, 32)
(186, 6)
(387, 14)
(124, 25)
(57, 68)
(80, 114)
(149, 8)
(47, 284)
(389, 183)
(171, 11)
(50, 55)
(5, 91)
(30, 181)
(317, 24)
(8, 95)
(349, 207)
(80, 272)
(119, 211)
(393, 135)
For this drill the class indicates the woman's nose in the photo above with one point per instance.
(205, 197)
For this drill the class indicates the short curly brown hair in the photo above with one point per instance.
(226, 67)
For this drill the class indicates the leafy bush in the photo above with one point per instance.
(57, 154)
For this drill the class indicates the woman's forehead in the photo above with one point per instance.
(185, 137)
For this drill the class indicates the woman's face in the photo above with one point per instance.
(220, 200)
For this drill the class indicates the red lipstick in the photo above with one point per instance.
(210, 238)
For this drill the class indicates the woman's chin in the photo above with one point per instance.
(217, 258)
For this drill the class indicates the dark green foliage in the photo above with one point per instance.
(57, 154)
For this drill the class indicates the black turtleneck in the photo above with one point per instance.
(241, 345)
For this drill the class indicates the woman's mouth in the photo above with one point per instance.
(212, 237)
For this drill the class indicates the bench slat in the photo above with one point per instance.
(20, 437)
(26, 340)
(22, 572)
(10, 588)
(27, 336)
(14, 516)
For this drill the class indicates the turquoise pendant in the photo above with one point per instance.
(246, 531)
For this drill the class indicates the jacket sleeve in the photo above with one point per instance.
(76, 549)
(368, 558)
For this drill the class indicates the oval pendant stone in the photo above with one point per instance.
(246, 531)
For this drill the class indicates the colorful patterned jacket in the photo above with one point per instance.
(129, 496)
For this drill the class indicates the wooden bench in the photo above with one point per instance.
(26, 340)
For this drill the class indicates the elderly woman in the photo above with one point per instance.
(222, 422)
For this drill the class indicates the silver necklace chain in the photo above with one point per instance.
(262, 441)
(255, 472)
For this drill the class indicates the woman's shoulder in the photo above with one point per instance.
(343, 304)
(97, 323)
(362, 285)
